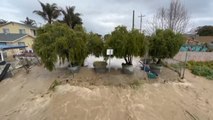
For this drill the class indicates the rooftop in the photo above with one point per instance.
(206, 39)
(10, 37)
(31, 27)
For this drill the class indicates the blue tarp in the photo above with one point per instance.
(6, 47)
(196, 48)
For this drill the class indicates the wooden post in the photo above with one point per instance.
(184, 65)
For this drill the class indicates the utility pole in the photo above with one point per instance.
(141, 20)
(133, 20)
(146, 55)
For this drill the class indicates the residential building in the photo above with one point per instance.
(18, 28)
(13, 33)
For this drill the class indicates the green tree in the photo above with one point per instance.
(79, 51)
(58, 40)
(70, 17)
(126, 44)
(106, 36)
(49, 12)
(205, 31)
(165, 44)
(29, 21)
(95, 44)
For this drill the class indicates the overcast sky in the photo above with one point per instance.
(102, 16)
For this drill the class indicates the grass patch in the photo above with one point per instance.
(208, 64)
(204, 69)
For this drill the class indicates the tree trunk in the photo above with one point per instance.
(126, 60)
(130, 60)
(159, 61)
(49, 20)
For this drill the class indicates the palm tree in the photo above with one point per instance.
(70, 17)
(49, 12)
(29, 21)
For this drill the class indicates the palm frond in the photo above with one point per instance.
(70, 17)
(49, 11)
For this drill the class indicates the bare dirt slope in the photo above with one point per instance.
(91, 96)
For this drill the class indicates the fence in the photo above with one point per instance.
(178, 62)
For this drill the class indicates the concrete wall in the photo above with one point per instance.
(195, 56)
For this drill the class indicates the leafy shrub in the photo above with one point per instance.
(126, 44)
(58, 40)
(202, 68)
(95, 44)
(165, 44)
(193, 63)
(202, 71)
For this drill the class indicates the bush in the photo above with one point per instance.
(165, 44)
(95, 44)
(210, 77)
(126, 44)
(204, 69)
(58, 40)
(201, 71)
(193, 63)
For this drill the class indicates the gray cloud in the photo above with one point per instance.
(103, 15)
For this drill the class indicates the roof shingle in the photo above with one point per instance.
(10, 37)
